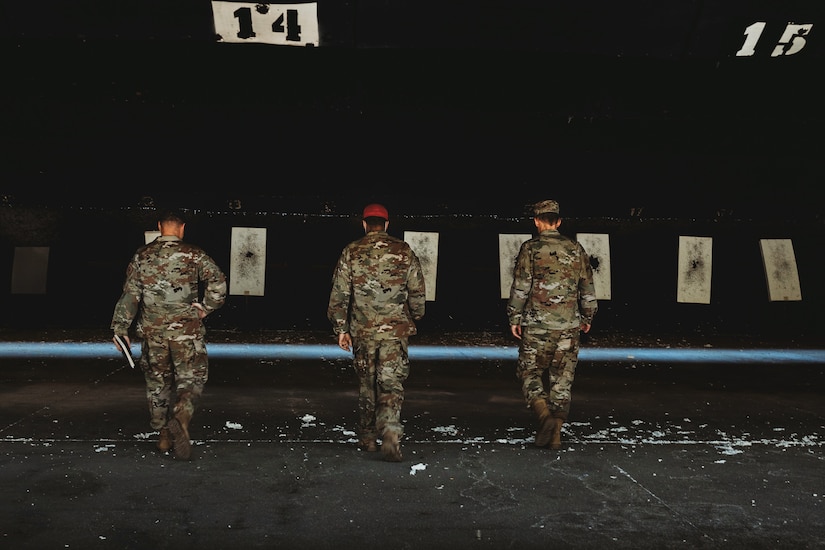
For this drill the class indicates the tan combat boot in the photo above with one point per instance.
(179, 426)
(368, 444)
(547, 423)
(555, 441)
(390, 448)
(164, 440)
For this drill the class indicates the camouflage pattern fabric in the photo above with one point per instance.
(377, 295)
(162, 282)
(551, 297)
(382, 367)
(377, 289)
(172, 364)
(546, 367)
(552, 284)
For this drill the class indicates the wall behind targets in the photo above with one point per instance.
(760, 274)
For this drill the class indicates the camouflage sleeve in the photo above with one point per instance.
(339, 296)
(416, 290)
(520, 288)
(588, 305)
(128, 305)
(214, 294)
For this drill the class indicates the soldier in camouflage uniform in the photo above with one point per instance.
(552, 299)
(377, 294)
(162, 291)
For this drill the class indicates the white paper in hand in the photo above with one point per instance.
(127, 353)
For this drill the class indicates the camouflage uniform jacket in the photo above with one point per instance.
(552, 284)
(162, 281)
(377, 289)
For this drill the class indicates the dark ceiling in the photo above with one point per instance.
(627, 104)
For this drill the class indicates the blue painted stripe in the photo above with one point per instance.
(71, 350)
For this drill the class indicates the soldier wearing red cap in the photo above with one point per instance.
(377, 295)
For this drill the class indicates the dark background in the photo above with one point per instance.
(636, 116)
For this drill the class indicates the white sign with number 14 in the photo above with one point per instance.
(284, 24)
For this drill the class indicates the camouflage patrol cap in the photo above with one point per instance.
(546, 207)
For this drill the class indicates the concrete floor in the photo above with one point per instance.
(656, 455)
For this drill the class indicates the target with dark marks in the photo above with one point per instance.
(780, 269)
(597, 246)
(425, 246)
(247, 268)
(695, 263)
(508, 247)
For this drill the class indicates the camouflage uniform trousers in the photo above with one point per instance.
(546, 367)
(175, 369)
(382, 367)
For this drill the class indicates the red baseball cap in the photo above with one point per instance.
(376, 210)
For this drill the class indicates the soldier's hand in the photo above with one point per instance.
(345, 341)
(516, 330)
(201, 311)
(126, 340)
